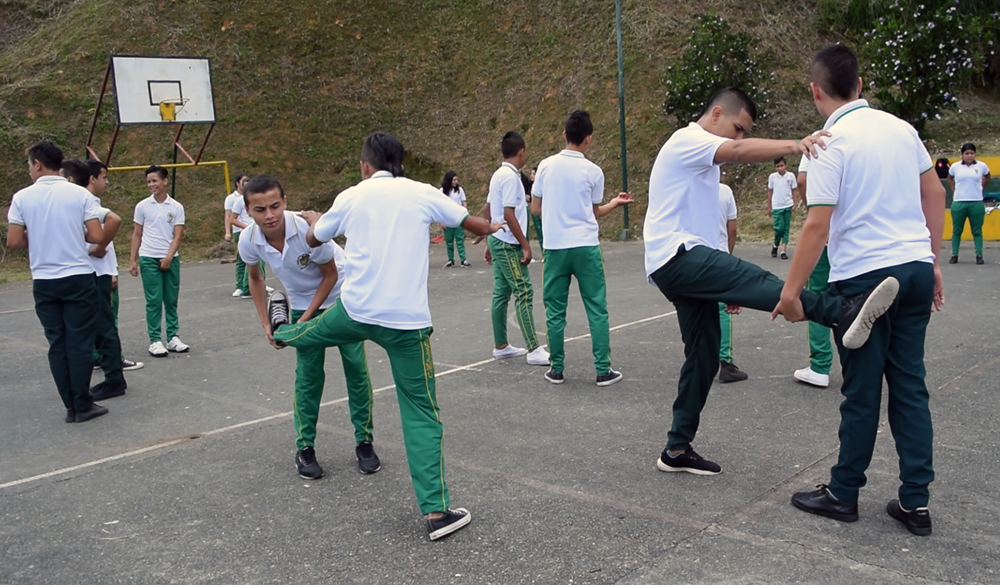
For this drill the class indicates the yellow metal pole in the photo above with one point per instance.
(225, 170)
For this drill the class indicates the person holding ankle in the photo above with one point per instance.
(874, 196)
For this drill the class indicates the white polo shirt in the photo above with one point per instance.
(107, 266)
(297, 266)
(969, 180)
(240, 211)
(683, 205)
(870, 171)
(53, 212)
(230, 201)
(386, 222)
(507, 190)
(456, 195)
(727, 214)
(781, 190)
(158, 221)
(569, 186)
(803, 166)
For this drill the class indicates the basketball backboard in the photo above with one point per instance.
(163, 90)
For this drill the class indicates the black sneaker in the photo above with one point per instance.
(917, 521)
(774, 252)
(688, 461)
(784, 256)
(730, 373)
(823, 503)
(465, 264)
(449, 264)
(104, 390)
(95, 411)
(129, 365)
(452, 521)
(97, 364)
(70, 415)
(277, 311)
(554, 377)
(612, 377)
(305, 462)
(858, 313)
(979, 260)
(368, 461)
(953, 260)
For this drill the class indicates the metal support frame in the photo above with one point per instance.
(621, 117)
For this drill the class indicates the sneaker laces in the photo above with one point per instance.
(366, 450)
(279, 313)
(308, 455)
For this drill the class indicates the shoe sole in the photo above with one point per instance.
(539, 363)
(185, 350)
(810, 382)
(77, 420)
(306, 476)
(664, 467)
(158, 355)
(453, 527)
(915, 530)
(554, 381)
(102, 397)
(513, 355)
(731, 380)
(825, 514)
(612, 382)
(133, 368)
(875, 306)
(363, 472)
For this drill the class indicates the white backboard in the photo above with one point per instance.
(142, 83)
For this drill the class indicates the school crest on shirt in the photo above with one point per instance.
(170, 218)
(303, 260)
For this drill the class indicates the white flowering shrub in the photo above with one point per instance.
(918, 53)
(716, 57)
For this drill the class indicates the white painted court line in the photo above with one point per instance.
(273, 417)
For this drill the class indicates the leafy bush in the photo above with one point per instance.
(917, 54)
(716, 57)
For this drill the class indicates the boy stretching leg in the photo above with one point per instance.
(386, 219)
(311, 279)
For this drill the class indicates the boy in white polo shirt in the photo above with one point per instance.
(874, 196)
(780, 201)
(511, 254)
(728, 371)
(567, 194)
(312, 277)
(681, 232)
(159, 227)
(386, 219)
(60, 219)
(967, 179)
(240, 218)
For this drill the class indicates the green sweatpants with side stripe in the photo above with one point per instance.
(455, 238)
(975, 212)
(782, 225)
(161, 289)
(820, 347)
(413, 372)
(510, 276)
(587, 265)
(242, 276)
(310, 378)
(726, 323)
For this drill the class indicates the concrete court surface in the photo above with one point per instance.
(190, 478)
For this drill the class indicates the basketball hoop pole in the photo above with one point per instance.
(621, 117)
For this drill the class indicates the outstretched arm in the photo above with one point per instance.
(602, 210)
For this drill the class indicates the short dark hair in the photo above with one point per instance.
(261, 184)
(384, 152)
(511, 144)
(780, 159)
(158, 170)
(969, 146)
(578, 127)
(835, 70)
(95, 167)
(238, 178)
(76, 171)
(46, 153)
(732, 100)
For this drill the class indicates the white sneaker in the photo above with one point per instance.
(808, 376)
(237, 293)
(268, 289)
(509, 352)
(157, 350)
(175, 344)
(538, 357)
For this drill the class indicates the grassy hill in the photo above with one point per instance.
(299, 84)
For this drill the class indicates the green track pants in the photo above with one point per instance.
(587, 265)
(820, 347)
(161, 288)
(782, 225)
(413, 372)
(975, 212)
(455, 238)
(242, 276)
(310, 378)
(510, 276)
(726, 325)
